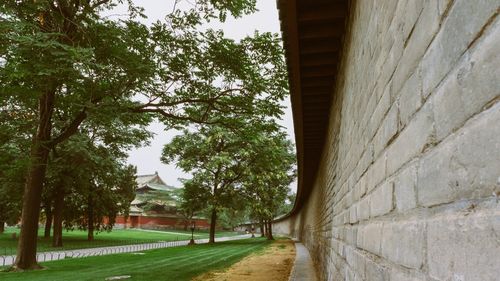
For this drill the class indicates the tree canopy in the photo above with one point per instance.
(254, 162)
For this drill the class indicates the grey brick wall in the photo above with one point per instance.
(409, 183)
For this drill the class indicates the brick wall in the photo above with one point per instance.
(409, 183)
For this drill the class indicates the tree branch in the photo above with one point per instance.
(209, 101)
(173, 116)
(98, 3)
(173, 103)
(73, 126)
(70, 130)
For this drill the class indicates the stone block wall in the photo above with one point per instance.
(409, 183)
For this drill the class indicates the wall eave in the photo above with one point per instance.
(312, 32)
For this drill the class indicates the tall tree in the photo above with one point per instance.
(64, 56)
(268, 179)
(216, 157)
(220, 160)
(89, 179)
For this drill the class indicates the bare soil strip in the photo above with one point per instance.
(274, 263)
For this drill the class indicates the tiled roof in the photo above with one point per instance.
(155, 186)
(143, 179)
(135, 209)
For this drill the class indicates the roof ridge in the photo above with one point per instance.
(147, 175)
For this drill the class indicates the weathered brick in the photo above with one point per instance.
(403, 243)
(393, 56)
(363, 210)
(359, 264)
(387, 130)
(351, 235)
(415, 46)
(378, 115)
(376, 173)
(352, 214)
(410, 15)
(410, 98)
(358, 191)
(404, 188)
(349, 274)
(467, 89)
(412, 140)
(370, 237)
(365, 161)
(464, 246)
(376, 272)
(381, 200)
(463, 24)
(464, 166)
(398, 274)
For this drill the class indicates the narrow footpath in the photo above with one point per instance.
(303, 268)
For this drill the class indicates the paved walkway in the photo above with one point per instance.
(303, 268)
(81, 253)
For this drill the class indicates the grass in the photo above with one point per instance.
(78, 239)
(179, 263)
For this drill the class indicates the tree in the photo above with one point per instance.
(268, 179)
(14, 146)
(63, 56)
(89, 180)
(98, 189)
(235, 211)
(222, 162)
(217, 157)
(11, 183)
(193, 201)
(287, 205)
(91, 160)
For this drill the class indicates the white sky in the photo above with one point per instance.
(147, 159)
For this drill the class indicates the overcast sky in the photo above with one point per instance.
(147, 159)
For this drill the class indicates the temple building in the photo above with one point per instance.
(156, 207)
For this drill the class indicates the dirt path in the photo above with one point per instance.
(274, 263)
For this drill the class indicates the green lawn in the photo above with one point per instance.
(78, 239)
(178, 263)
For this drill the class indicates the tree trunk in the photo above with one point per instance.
(48, 221)
(2, 226)
(90, 219)
(90, 234)
(58, 217)
(265, 228)
(213, 220)
(26, 249)
(262, 233)
(269, 231)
